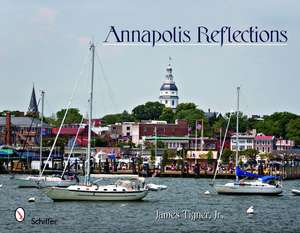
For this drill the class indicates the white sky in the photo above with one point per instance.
(46, 42)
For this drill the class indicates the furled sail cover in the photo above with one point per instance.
(240, 172)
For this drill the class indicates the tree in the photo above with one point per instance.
(167, 115)
(165, 159)
(185, 106)
(100, 142)
(148, 111)
(152, 157)
(249, 153)
(119, 117)
(227, 154)
(243, 122)
(191, 115)
(209, 155)
(73, 116)
(275, 124)
(293, 130)
(13, 113)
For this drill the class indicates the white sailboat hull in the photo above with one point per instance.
(44, 181)
(237, 189)
(62, 194)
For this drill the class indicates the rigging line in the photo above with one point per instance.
(72, 148)
(222, 148)
(65, 115)
(110, 92)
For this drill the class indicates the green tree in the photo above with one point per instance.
(119, 117)
(152, 157)
(185, 106)
(227, 154)
(73, 116)
(209, 155)
(293, 130)
(167, 115)
(148, 111)
(100, 142)
(191, 115)
(275, 124)
(165, 159)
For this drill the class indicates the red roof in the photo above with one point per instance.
(67, 131)
(95, 122)
(264, 137)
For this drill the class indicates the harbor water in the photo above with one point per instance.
(183, 207)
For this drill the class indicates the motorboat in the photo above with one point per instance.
(296, 192)
(155, 187)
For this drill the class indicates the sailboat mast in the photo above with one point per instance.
(92, 48)
(237, 131)
(41, 133)
(155, 141)
(202, 130)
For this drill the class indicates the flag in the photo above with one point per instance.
(198, 126)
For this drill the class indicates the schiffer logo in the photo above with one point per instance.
(20, 214)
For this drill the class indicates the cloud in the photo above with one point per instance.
(46, 16)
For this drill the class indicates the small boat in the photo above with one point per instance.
(31, 199)
(155, 187)
(250, 210)
(296, 191)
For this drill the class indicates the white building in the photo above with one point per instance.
(168, 91)
(246, 141)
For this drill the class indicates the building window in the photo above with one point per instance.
(128, 127)
(166, 101)
(173, 103)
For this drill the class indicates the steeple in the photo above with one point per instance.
(168, 90)
(33, 107)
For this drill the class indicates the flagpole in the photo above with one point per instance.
(196, 137)
(202, 126)
(196, 145)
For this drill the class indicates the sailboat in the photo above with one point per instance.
(122, 190)
(40, 180)
(262, 185)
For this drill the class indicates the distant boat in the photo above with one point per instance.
(156, 187)
(128, 190)
(296, 192)
(262, 185)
